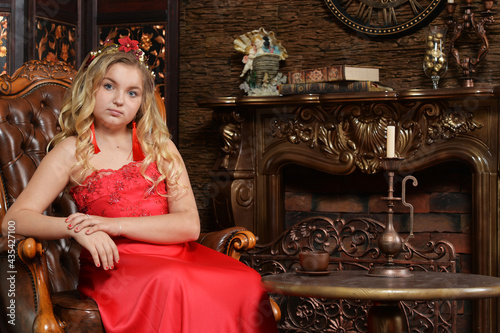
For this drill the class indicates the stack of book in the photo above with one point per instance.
(333, 79)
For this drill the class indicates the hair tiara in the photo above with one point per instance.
(126, 45)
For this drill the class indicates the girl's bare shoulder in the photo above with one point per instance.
(171, 145)
(68, 145)
(64, 150)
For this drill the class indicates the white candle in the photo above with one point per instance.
(391, 140)
(451, 1)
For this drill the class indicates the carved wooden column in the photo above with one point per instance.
(233, 173)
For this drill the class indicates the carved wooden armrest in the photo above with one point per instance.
(242, 241)
(231, 241)
(31, 253)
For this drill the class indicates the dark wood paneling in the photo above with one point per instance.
(5, 5)
(123, 6)
(64, 11)
(131, 12)
(87, 28)
(172, 70)
(21, 29)
(131, 17)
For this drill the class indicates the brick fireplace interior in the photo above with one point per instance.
(442, 203)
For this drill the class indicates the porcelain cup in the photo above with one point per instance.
(314, 261)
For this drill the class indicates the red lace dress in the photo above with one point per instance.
(164, 288)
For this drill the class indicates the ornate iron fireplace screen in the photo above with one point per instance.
(352, 245)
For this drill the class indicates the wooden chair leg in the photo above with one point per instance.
(276, 310)
(30, 253)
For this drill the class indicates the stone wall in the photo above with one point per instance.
(313, 37)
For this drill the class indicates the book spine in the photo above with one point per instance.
(336, 73)
(323, 74)
(324, 87)
(297, 77)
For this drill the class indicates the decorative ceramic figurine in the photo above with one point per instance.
(263, 52)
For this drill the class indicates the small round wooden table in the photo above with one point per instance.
(385, 292)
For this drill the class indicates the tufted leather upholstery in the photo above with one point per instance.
(38, 279)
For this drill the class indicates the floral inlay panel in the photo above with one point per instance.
(4, 42)
(55, 41)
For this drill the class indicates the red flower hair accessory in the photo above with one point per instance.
(126, 45)
(130, 45)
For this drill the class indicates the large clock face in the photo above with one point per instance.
(385, 18)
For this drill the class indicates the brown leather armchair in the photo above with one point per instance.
(38, 279)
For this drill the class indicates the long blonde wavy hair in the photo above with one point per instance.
(77, 116)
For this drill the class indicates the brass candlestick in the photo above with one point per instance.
(466, 63)
(389, 242)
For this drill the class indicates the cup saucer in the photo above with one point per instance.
(299, 271)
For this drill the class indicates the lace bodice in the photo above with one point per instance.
(120, 193)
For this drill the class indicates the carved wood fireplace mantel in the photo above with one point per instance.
(340, 133)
